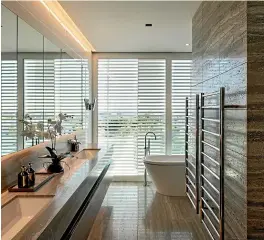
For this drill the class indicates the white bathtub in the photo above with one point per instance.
(167, 173)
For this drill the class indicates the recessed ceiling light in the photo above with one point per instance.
(187, 44)
(148, 25)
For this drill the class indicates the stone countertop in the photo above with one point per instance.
(69, 190)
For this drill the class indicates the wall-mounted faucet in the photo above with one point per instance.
(147, 152)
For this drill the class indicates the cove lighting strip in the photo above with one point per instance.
(85, 42)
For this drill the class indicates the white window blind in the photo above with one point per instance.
(181, 83)
(58, 85)
(151, 106)
(131, 102)
(117, 111)
(33, 92)
(71, 87)
(49, 91)
(8, 106)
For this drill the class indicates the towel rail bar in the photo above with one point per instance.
(211, 146)
(210, 196)
(211, 185)
(213, 160)
(211, 94)
(208, 231)
(191, 131)
(212, 133)
(211, 107)
(212, 225)
(205, 182)
(210, 210)
(191, 200)
(210, 171)
(190, 171)
(190, 181)
(190, 190)
(211, 120)
(189, 162)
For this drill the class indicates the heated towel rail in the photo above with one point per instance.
(212, 154)
(191, 159)
(205, 176)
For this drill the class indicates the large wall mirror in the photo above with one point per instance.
(39, 83)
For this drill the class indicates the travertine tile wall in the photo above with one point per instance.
(255, 120)
(220, 60)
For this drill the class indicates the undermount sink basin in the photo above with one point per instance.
(19, 212)
(86, 154)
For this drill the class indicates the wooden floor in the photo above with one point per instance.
(131, 211)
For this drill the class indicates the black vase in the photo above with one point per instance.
(55, 168)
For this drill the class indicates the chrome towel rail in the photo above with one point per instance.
(214, 223)
(204, 185)
(192, 176)
(210, 94)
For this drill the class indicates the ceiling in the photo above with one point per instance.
(19, 36)
(119, 26)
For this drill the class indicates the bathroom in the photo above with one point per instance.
(132, 120)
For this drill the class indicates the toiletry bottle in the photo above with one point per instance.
(31, 175)
(23, 178)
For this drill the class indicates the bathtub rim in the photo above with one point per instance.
(180, 162)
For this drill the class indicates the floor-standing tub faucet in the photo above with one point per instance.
(147, 152)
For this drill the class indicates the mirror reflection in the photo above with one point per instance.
(8, 82)
(43, 87)
(30, 109)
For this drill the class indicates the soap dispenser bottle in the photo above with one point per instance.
(22, 180)
(31, 175)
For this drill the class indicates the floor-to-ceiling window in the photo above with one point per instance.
(131, 102)
(138, 95)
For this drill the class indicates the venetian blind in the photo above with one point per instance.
(151, 106)
(117, 111)
(33, 92)
(8, 106)
(55, 86)
(181, 83)
(131, 102)
(71, 87)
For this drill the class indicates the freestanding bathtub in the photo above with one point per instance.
(167, 173)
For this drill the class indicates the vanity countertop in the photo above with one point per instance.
(68, 188)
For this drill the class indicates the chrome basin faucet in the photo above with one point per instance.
(147, 152)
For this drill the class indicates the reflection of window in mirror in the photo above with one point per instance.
(40, 81)
(66, 85)
(9, 129)
(71, 87)
(30, 57)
